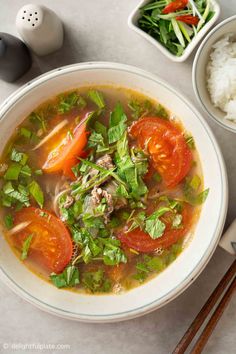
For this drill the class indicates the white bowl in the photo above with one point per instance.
(135, 15)
(181, 273)
(199, 75)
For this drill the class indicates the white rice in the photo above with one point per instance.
(221, 72)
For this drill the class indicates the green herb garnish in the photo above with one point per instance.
(38, 172)
(26, 133)
(191, 194)
(13, 171)
(67, 102)
(173, 34)
(17, 156)
(8, 221)
(67, 279)
(96, 281)
(37, 193)
(26, 171)
(153, 225)
(147, 265)
(26, 246)
(97, 97)
(10, 195)
(117, 125)
(190, 142)
(39, 121)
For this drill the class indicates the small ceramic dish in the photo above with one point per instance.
(133, 20)
(181, 273)
(199, 76)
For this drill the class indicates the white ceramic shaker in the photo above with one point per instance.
(40, 28)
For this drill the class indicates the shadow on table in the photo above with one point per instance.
(69, 53)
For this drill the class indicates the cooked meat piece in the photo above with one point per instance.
(120, 203)
(93, 172)
(68, 202)
(105, 162)
(111, 187)
(97, 195)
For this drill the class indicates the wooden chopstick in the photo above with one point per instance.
(202, 340)
(206, 309)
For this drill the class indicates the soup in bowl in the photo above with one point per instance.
(105, 190)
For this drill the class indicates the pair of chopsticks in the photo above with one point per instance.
(226, 286)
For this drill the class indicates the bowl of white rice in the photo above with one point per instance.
(214, 74)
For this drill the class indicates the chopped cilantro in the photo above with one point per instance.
(38, 172)
(147, 265)
(195, 182)
(8, 220)
(97, 97)
(26, 246)
(25, 171)
(117, 125)
(13, 171)
(112, 253)
(153, 225)
(130, 169)
(26, 133)
(191, 196)
(39, 121)
(190, 142)
(177, 221)
(96, 140)
(17, 156)
(37, 193)
(100, 129)
(114, 222)
(68, 278)
(140, 108)
(67, 102)
(96, 281)
(161, 112)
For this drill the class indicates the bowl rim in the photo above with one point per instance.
(191, 46)
(196, 68)
(194, 273)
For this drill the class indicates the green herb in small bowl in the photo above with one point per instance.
(175, 27)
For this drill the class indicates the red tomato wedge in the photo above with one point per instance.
(174, 6)
(189, 19)
(51, 244)
(167, 147)
(142, 242)
(65, 155)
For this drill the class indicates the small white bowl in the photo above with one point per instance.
(199, 76)
(132, 23)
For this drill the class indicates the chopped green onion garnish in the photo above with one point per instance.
(26, 133)
(13, 171)
(26, 246)
(8, 220)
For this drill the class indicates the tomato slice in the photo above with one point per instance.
(174, 6)
(164, 141)
(142, 242)
(65, 155)
(189, 19)
(51, 245)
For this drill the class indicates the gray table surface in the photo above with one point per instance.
(97, 30)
